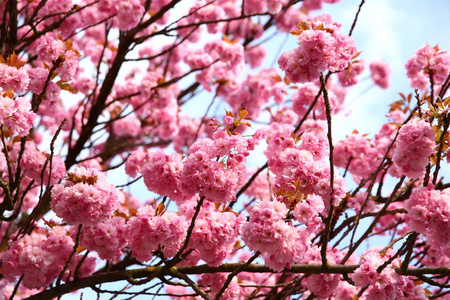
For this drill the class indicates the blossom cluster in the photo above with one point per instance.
(357, 155)
(321, 46)
(384, 284)
(56, 154)
(349, 76)
(106, 238)
(85, 198)
(229, 64)
(13, 78)
(268, 233)
(428, 211)
(33, 162)
(149, 231)
(41, 256)
(215, 232)
(159, 170)
(302, 169)
(415, 143)
(16, 115)
(257, 90)
(216, 281)
(428, 66)
(215, 167)
(304, 97)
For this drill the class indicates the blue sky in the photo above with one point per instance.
(392, 31)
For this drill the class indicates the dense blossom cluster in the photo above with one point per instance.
(15, 114)
(428, 63)
(415, 143)
(268, 233)
(13, 78)
(215, 233)
(149, 230)
(362, 155)
(386, 283)
(428, 211)
(159, 170)
(86, 198)
(107, 238)
(303, 168)
(357, 155)
(308, 210)
(321, 46)
(215, 167)
(41, 256)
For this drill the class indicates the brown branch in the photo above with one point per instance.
(373, 179)
(356, 17)
(441, 147)
(375, 221)
(191, 283)
(247, 185)
(234, 273)
(328, 221)
(98, 105)
(226, 268)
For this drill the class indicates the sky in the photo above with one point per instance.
(392, 31)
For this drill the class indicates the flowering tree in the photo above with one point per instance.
(90, 88)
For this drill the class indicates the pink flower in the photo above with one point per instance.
(161, 172)
(33, 162)
(13, 78)
(106, 238)
(216, 281)
(204, 11)
(428, 62)
(257, 90)
(198, 60)
(129, 126)
(415, 143)
(40, 257)
(22, 118)
(349, 76)
(147, 231)
(86, 198)
(217, 180)
(228, 120)
(380, 73)
(129, 14)
(320, 47)
(314, 4)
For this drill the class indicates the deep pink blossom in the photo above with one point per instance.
(40, 257)
(107, 238)
(380, 72)
(428, 63)
(85, 198)
(415, 143)
(147, 231)
(321, 47)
